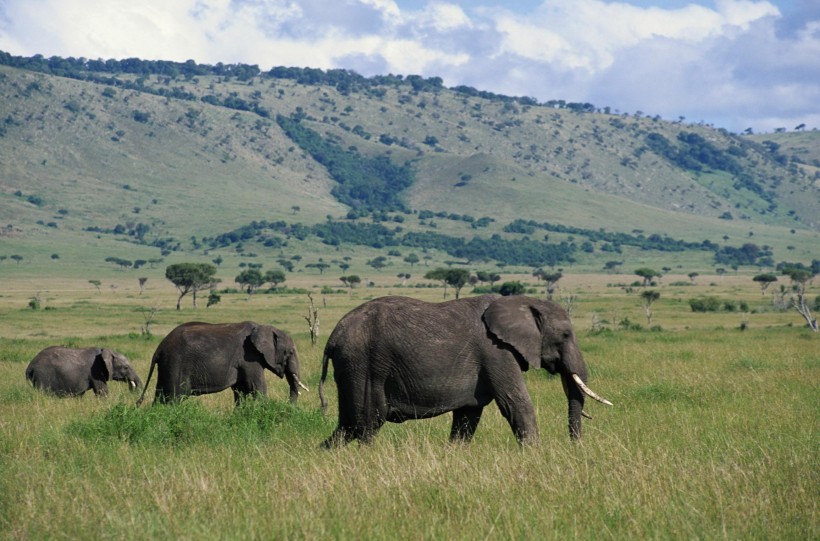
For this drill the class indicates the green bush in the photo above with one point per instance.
(705, 304)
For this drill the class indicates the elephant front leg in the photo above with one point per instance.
(250, 382)
(513, 400)
(339, 438)
(100, 388)
(521, 417)
(465, 421)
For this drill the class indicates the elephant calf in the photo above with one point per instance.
(398, 358)
(71, 372)
(201, 358)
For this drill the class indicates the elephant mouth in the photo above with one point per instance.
(587, 391)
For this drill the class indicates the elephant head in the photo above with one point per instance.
(540, 335)
(112, 365)
(279, 352)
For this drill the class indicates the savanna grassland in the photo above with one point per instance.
(713, 434)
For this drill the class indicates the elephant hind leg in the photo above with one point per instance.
(363, 428)
(465, 421)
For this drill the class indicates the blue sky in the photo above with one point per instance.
(734, 64)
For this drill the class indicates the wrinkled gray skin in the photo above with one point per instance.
(201, 358)
(397, 358)
(71, 372)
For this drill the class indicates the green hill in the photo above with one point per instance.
(148, 160)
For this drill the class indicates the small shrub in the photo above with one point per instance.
(36, 200)
(141, 116)
(705, 304)
(511, 288)
(626, 325)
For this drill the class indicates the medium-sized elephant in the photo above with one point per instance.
(201, 358)
(398, 358)
(71, 372)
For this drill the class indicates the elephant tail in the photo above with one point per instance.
(154, 361)
(322, 401)
(30, 375)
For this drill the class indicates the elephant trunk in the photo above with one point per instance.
(134, 382)
(575, 389)
(292, 375)
(575, 401)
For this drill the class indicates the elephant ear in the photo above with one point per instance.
(264, 340)
(515, 322)
(102, 367)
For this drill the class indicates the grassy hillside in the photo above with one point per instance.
(168, 161)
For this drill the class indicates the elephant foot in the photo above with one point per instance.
(339, 438)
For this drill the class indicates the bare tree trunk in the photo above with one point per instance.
(803, 309)
(313, 321)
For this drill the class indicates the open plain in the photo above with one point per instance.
(713, 434)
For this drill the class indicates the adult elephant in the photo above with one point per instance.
(397, 358)
(71, 372)
(200, 358)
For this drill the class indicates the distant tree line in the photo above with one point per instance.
(748, 254)
(509, 251)
(345, 81)
(655, 241)
(73, 67)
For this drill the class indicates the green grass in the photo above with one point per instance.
(713, 435)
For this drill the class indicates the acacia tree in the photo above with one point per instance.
(412, 259)
(274, 277)
(250, 280)
(649, 296)
(191, 278)
(320, 265)
(351, 281)
(647, 274)
(765, 280)
(550, 279)
(456, 278)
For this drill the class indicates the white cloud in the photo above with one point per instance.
(443, 17)
(589, 34)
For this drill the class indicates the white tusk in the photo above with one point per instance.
(302, 385)
(587, 391)
(585, 414)
(132, 384)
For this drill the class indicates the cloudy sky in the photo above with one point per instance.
(736, 64)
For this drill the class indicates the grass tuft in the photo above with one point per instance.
(190, 422)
